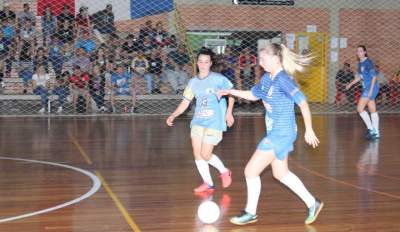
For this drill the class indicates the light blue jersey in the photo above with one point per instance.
(209, 112)
(366, 69)
(279, 95)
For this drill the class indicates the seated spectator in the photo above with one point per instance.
(56, 56)
(384, 89)
(100, 57)
(68, 57)
(82, 61)
(49, 25)
(140, 66)
(247, 65)
(41, 59)
(176, 69)
(229, 69)
(147, 30)
(61, 89)
(97, 85)
(122, 84)
(155, 69)
(161, 35)
(103, 20)
(66, 32)
(86, 42)
(28, 33)
(65, 15)
(8, 30)
(4, 54)
(146, 46)
(6, 13)
(79, 87)
(343, 77)
(26, 15)
(25, 65)
(40, 85)
(130, 46)
(82, 21)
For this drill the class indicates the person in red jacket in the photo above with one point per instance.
(79, 85)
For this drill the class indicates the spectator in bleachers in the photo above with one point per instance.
(100, 57)
(86, 42)
(177, 69)
(8, 29)
(147, 30)
(97, 85)
(68, 57)
(66, 32)
(6, 13)
(146, 46)
(161, 38)
(384, 89)
(113, 43)
(117, 59)
(41, 59)
(65, 15)
(247, 65)
(4, 55)
(155, 69)
(171, 44)
(79, 86)
(81, 59)
(61, 89)
(140, 66)
(28, 33)
(41, 85)
(56, 56)
(49, 25)
(25, 15)
(25, 68)
(229, 62)
(103, 20)
(130, 46)
(82, 21)
(122, 84)
(343, 77)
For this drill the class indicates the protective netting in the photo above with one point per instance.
(135, 56)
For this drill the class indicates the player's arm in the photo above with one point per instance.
(309, 135)
(229, 112)
(246, 94)
(178, 111)
(356, 79)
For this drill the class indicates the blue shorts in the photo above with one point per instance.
(365, 92)
(280, 144)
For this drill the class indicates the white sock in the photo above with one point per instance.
(253, 193)
(375, 121)
(204, 171)
(295, 184)
(217, 163)
(367, 120)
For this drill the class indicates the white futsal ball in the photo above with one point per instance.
(208, 212)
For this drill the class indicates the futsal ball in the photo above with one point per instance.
(208, 212)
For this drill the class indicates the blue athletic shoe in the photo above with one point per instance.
(369, 134)
(243, 218)
(375, 134)
(313, 211)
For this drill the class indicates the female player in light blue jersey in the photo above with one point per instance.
(278, 92)
(210, 119)
(367, 74)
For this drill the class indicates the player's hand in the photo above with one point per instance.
(311, 139)
(170, 120)
(222, 92)
(229, 120)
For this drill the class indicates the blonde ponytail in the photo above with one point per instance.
(293, 62)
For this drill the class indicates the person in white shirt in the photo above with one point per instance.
(40, 84)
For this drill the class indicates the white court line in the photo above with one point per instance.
(95, 187)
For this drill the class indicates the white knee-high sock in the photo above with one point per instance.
(375, 121)
(217, 163)
(367, 120)
(204, 171)
(253, 193)
(295, 184)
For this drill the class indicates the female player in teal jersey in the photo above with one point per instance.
(210, 119)
(367, 74)
(278, 92)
